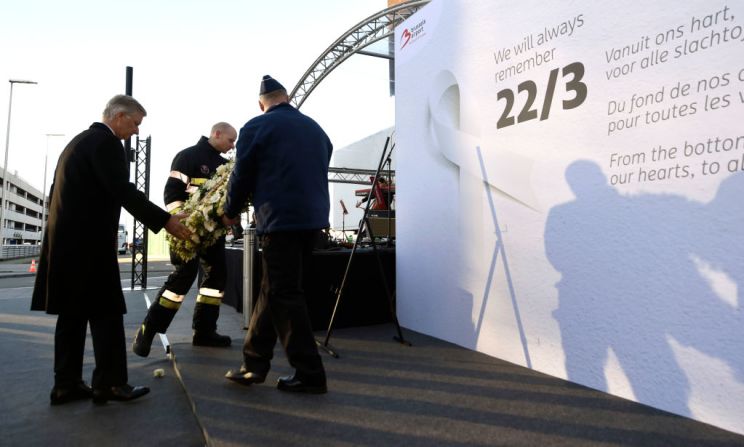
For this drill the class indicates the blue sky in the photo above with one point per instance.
(195, 63)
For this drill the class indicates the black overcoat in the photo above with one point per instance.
(78, 270)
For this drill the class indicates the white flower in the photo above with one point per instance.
(210, 225)
(205, 208)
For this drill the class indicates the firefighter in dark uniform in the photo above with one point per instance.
(191, 168)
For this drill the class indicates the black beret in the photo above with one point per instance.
(268, 85)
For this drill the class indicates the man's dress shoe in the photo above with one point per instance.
(120, 393)
(244, 377)
(62, 395)
(296, 385)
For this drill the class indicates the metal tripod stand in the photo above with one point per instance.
(364, 223)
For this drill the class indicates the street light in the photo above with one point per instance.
(5, 165)
(43, 191)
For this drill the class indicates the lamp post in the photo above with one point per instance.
(43, 191)
(5, 164)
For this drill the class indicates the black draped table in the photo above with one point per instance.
(364, 301)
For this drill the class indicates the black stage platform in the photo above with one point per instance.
(364, 301)
(380, 393)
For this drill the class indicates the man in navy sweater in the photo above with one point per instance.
(281, 165)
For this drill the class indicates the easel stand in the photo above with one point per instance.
(365, 222)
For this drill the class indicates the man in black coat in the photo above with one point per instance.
(281, 162)
(91, 184)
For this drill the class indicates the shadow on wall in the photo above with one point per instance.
(463, 300)
(633, 276)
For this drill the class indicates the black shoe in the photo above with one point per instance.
(120, 393)
(143, 341)
(295, 385)
(244, 377)
(62, 395)
(212, 339)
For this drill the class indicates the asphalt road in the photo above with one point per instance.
(155, 270)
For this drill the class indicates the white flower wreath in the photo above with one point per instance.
(205, 209)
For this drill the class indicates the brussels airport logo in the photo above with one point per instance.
(412, 34)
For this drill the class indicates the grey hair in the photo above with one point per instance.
(276, 95)
(124, 104)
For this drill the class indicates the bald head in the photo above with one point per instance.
(222, 137)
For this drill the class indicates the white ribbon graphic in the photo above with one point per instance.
(452, 123)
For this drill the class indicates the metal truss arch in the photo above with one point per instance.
(353, 176)
(370, 30)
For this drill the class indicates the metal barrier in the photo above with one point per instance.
(249, 257)
(19, 251)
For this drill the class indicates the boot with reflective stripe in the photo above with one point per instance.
(205, 323)
(143, 340)
(159, 317)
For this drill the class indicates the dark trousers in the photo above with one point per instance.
(281, 309)
(109, 348)
(180, 282)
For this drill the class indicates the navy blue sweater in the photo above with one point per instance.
(281, 164)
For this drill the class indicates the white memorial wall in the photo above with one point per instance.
(569, 192)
